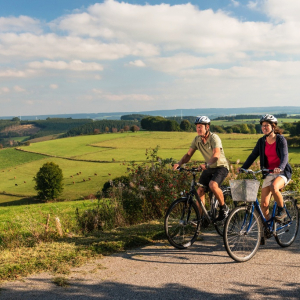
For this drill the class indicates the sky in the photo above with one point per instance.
(76, 56)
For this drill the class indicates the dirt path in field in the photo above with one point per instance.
(159, 271)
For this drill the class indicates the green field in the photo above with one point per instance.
(89, 161)
(251, 121)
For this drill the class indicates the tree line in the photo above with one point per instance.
(103, 126)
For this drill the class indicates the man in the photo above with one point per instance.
(215, 168)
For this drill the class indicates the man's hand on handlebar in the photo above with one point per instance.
(176, 166)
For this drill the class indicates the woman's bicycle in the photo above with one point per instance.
(246, 227)
(183, 219)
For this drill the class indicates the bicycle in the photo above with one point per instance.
(246, 227)
(183, 219)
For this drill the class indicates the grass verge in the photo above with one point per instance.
(58, 257)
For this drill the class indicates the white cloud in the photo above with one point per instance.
(19, 89)
(20, 24)
(53, 86)
(253, 5)
(75, 65)
(4, 90)
(235, 3)
(17, 73)
(282, 10)
(51, 46)
(122, 97)
(137, 63)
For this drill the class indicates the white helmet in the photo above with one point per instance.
(268, 118)
(202, 120)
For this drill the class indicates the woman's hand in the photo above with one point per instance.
(277, 170)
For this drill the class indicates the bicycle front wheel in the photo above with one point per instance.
(182, 223)
(242, 233)
(230, 203)
(287, 231)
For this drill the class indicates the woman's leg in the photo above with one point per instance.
(265, 200)
(275, 187)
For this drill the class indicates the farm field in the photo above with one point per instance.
(251, 121)
(90, 161)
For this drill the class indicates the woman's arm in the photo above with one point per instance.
(252, 157)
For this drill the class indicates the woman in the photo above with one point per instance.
(273, 152)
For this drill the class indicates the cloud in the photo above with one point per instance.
(75, 65)
(281, 10)
(17, 73)
(53, 86)
(137, 63)
(19, 89)
(184, 27)
(20, 24)
(235, 3)
(52, 46)
(122, 97)
(4, 90)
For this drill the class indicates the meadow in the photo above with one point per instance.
(90, 161)
(29, 243)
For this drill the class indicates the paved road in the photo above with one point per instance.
(161, 272)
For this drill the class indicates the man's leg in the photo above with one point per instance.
(218, 177)
(214, 187)
(201, 193)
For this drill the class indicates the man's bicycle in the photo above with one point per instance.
(246, 227)
(183, 219)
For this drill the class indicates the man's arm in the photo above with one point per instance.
(185, 159)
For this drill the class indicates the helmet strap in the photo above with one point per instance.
(269, 133)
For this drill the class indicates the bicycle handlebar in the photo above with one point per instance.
(249, 171)
(180, 169)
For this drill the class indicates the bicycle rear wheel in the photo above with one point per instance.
(287, 231)
(230, 203)
(242, 233)
(182, 223)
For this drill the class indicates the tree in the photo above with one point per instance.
(49, 181)
(185, 125)
(134, 128)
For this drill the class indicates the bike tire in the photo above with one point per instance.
(182, 223)
(242, 233)
(286, 233)
(230, 203)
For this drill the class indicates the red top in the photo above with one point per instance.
(273, 160)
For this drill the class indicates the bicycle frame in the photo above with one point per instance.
(270, 224)
(194, 192)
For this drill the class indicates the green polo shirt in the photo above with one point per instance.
(206, 149)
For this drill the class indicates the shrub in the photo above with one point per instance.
(149, 188)
(106, 215)
(49, 181)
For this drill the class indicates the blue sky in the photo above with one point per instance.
(72, 56)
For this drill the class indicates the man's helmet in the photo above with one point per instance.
(268, 118)
(202, 120)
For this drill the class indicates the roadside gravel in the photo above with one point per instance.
(159, 271)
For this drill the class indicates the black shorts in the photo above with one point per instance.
(216, 174)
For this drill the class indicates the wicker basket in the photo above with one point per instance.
(244, 190)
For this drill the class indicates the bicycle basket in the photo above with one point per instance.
(244, 189)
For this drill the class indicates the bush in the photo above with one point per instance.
(151, 187)
(49, 181)
(107, 215)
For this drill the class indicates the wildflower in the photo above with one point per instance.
(132, 184)
(156, 188)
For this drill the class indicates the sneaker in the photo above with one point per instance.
(223, 214)
(281, 215)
